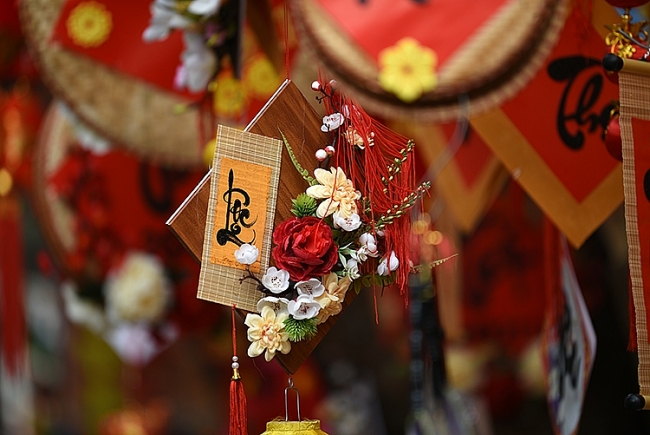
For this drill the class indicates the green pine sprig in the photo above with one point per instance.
(299, 330)
(304, 205)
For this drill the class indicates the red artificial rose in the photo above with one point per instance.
(304, 248)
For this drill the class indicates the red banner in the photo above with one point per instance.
(550, 135)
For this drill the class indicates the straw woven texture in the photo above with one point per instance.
(219, 283)
(491, 67)
(124, 109)
(635, 98)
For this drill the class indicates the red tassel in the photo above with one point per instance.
(369, 171)
(12, 314)
(238, 410)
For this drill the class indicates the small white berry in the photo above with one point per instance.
(330, 150)
(315, 85)
(321, 155)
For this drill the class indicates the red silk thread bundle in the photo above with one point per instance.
(238, 409)
(368, 169)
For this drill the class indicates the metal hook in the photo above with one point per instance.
(286, 400)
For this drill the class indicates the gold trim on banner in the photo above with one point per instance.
(577, 220)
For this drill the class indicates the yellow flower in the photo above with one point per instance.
(339, 191)
(89, 24)
(266, 333)
(260, 77)
(333, 296)
(407, 69)
(229, 97)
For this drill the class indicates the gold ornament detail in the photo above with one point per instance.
(89, 24)
(621, 37)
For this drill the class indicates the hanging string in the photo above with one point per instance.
(238, 411)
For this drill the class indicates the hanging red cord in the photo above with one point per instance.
(238, 411)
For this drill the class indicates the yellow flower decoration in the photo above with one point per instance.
(332, 298)
(229, 97)
(89, 24)
(407, 69)
(260, 77)
(340, 194)
(266, 333)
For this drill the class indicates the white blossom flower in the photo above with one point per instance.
(138, 291)
(198, 64)
(388, 265)
(312, 287)
(368, 241)
(303, 307)
(349, 223)
(247, 254)
(279, 305)
(163, 19)
(204, 8)
(276, 280)
(266, 334)
(350, 268)
(332, 122)
(135, 343)
(80, 311)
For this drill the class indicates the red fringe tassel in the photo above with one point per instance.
(369, 169)
(238, 409)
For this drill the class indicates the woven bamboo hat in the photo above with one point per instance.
(123, 108)
(483, 52)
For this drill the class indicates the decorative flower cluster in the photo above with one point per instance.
(330, 246)
(206, 36)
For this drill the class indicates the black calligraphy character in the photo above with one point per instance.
(569, 358)
(583, 114)
(236, 199)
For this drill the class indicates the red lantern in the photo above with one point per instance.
(626, 3)
(613, 140)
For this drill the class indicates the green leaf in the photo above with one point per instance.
(302, 171)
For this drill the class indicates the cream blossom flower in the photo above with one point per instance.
(138, 291)
(339, 193)
(266, 333)
(247, 254)
(368, 241)
(334, 294)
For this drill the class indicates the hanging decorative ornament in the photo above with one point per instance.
(131, 89)
(102, 212)
(348, 226)
(293, 427)
(613, 140)
(398, 68)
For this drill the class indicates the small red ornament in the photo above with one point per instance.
(626, 3)
(613, 140)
